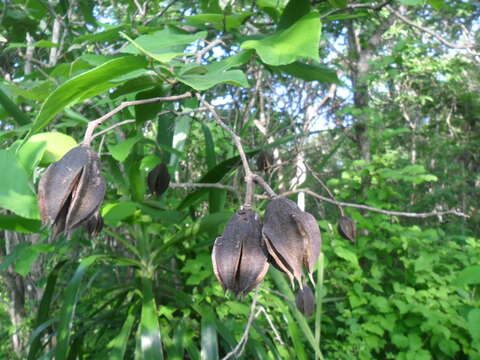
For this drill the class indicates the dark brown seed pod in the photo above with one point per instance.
(71, 190)
(292, 238)
(94, 225)
(158, 179)
(238, 256)
(264, 160)
(347, 228)
(305, 300)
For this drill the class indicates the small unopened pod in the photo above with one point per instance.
(238, 256)
(71, 190)
(94, 224)
(158, 179)
(347, 228)
(305, 300)
(292, 237)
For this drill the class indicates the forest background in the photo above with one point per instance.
(363, 109)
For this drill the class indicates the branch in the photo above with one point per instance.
(428, 31)
(199, 55)
(373, 209)
(92, 125)
(238, 349)
(238, 143)
(121, 123)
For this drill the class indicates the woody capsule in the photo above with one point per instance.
(238, 256)
(71, 190)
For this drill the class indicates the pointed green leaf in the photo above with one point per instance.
(309, 72)
(301, 40)
(162, 45)
(44, 311)
(209, 336)
(69, 303)
(121, 150)
(119, 344)
(16, 193)
(86, 85)
(149, 342)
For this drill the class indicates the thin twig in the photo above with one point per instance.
(121, 123)
(428, 31)
(92, 125)
(238, 349)
(238, 143)
(262, 310)
(199, 55)
(325, 187)
(260, 181)
(373, 209)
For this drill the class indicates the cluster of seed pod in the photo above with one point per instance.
(289, 239)
(70, 192)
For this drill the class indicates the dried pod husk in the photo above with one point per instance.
(94, 225)
(264, 160)
(238, 257)
(305, 300)
(292, 238)
(158, 179)
(347, 228)
(71, 190)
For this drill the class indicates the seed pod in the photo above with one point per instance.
(71, 190)
(94, 225)
(264, 160)
(292, 238)
(238, 256)
(347, 228)
(158, 179)
(305, 300)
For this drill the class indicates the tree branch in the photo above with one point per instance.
(92, 125)
(238, 349)
(373, 209)
(428, 31)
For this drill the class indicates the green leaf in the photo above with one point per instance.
(28, 255)
(86, 85)
(16, 193)
(120, 151)
(474, 324)
(180, 135)
(216, 196)
(346, 255)
(412, 2)
(209, 336)
(210, 79)
(30, 154)
(301, 40)
(338, 3)
(118, 345)
(11, 108)
(44, 311)
(56, 145)
(436, 4)
(310, 72)
(218, 21)
(69, 302)
(294, 10)
(149, 340)
(113, 213)
(19, 224)
(469, 276)
(162, 45)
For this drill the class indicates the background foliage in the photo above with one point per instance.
(377, 100)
